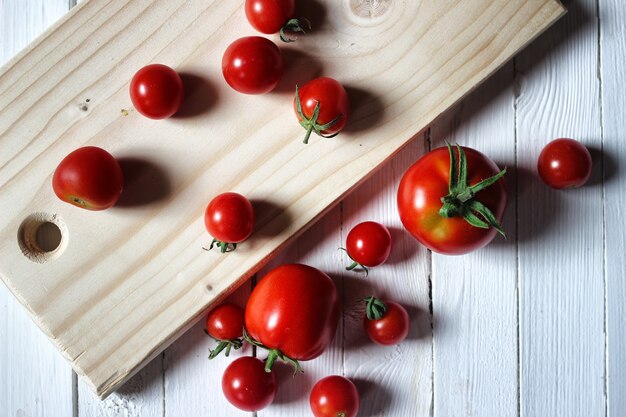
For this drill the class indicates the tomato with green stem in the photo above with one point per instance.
(386, 323)
(225, 324)
(252, 65)
(229, 219)
(293, 312)
(334, 396)
(453, 203)
(247, 386)
(564, 163)
(368, 244)
(272, 16)
(157, 91)
(321, 106)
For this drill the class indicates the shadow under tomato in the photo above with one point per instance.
(299, 68)
(604, 167)
(145, 182)
(375, 398)
(314, 11)
(290, 388)
(200, 96)
(270, 218)
(366, 109)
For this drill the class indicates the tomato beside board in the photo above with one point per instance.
(247, 386)
(454, 227)
(293, 311)
(225, 324)
(252, 65)
(89, 178)
(368, 244)
(386, 323)
(157, 91)
(564, 163)
(334, 396)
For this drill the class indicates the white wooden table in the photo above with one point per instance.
(529, 326)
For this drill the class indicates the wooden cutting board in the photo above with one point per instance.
(125, 282)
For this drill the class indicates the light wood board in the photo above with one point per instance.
(127, 281)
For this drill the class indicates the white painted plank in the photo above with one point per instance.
(560, 232)
(613, 47)
(474, 295)
(392, 380)
(36, 380)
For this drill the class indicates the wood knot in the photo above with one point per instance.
(370, 8)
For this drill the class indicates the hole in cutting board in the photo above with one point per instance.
(42, 237)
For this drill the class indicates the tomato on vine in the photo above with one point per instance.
(386, 323)
(252, 65)
(229, 219)
(321, 106)
(453, 204)
(564, 163)
(334, 396)
(368, 244)
(157, 91)
(225, 324)
(271, 16)
(247, 386)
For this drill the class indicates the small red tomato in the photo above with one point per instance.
(89, 178)
(564, 163)
(334, 396)
(271, 16)
(247, 386)
(321, 106)
(157, 91)
(368, 244)
(385, 323)
(252, 65)
(229, 219)
(225, 324)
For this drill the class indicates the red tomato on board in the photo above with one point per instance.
(157, 91)
(252, 65)
(427, 182)
(247, 386)
(368, 244)
(271, 16)
(392, 325)
(225, 324)
(293, 311)
(334, 396)
(229, 219)
(331, 101)
(564, 163)
(89, 178)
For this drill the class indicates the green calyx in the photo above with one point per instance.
(223, 246)
(355, 264)
(273, 354)
(311, 125)
(375, 309)
(460, 200)
(224, 346)
(294, 25)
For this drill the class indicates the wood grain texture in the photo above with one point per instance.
(475, 296)
(613, 48)
(141, 264)
(560, 233)
(36, 381)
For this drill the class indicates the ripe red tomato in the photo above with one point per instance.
(225, 324)
(229, 219)
(459, 224)
(334, 396)
(271, 16)
(386, 323)
(89, 178)
(157, 91)
(368, 244)
(293, 311)
(564, 163)
(247, 386)
(321, 106)
(252, 65)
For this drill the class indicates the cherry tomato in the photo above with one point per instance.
(229, 219)
(271, 16)
(460, 224)
(331, 101)
(293, 311)
(368, 244)
(225, 324)
(252, 65)
(157, 91)
(386, 323)
(564, 163)
(334, 396)
(247, 386)
(89, 178)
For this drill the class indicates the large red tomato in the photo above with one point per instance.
(293, 311)
(458, 216)
(89, 178)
